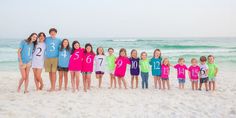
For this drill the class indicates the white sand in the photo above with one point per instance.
(106, 103)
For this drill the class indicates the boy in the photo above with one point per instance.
(203, 73)
(111, 66)
(212, 72)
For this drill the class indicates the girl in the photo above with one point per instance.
(120, 69)
(63, 62)
(165, 71)
(203, 73)
(144, 65)
(134, 69)
(111, 66)
(100, 64)
(38, 61)
(24, 57)
(87, 66)
(193, 72)
(156, 67)
(75, 64)
(212, 72)
(181, 69)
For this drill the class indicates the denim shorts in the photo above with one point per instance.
(211, 79)
(181, 80)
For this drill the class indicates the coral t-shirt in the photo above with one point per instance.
(87, 64)
(181, 70)
(75, 63)
(194, 72)
(121, 64)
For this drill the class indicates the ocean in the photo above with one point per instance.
(224, 49)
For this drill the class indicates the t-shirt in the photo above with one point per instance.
(180, 70)
(194, 72)
(144, 65)
(87, 64)
(75, 63)
(26, 51)
(203, 70)
(134, 66)
(156, 66)
(111, 62)
(165, 70)
(100, 63)
(52, 47)
(121, 64)
(64, 58)
(38, 55)
(211, 70)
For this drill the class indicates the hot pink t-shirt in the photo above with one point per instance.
(194, 72)
(165, 69)
(121, 63)
(87, 64)
(181, 71)
(75, 63)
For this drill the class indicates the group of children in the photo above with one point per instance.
(55, 55)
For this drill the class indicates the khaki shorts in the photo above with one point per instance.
(23, 66)
(51, 64)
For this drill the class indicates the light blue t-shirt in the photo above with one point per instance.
(63, 59)
(52, 47)
(156, 66)
(26, 51)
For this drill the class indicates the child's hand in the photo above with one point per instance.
(20, 63)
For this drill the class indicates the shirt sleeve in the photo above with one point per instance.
(21, 44)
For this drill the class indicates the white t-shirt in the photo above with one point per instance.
(203, 69)
(38, 56)
(100, 63)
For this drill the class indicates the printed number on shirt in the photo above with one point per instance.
(29, 51)
(76, 56)
(64, 54)
(181, 71)
(134, 65)
(156, 65)
(101, 60)
(89, 59)
(119, 63)
(39, 53)
(52, 47)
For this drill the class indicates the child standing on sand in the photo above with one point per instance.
(134, 68)
(121, 63)
(212, 72)
(155, 62)
(100, 65)
(181, 69)
(193, 72)
(144, 65)
(165, 71)
(63, 62)
(75, 64)
(111, 66)
(203, 73)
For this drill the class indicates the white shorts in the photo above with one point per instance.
(38, 65)
(111, 72)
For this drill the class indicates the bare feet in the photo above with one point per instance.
(26, 91)
(18, 90)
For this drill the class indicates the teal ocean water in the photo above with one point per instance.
(224, 49)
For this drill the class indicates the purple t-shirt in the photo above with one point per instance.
(134, 66)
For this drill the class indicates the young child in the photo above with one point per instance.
(144, 65)
(193, 72)
(75, 64)
(203, 73)
(100, 64)
(155, 62)
(121, 64)
(51, 54)
(87, 66)
(165, 71)
(181, 69)
(24, 57)
(212, 72)
(111, 66)
(134, 68)
(63, 62)
(38, 61)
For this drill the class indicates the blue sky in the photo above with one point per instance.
(119, 18)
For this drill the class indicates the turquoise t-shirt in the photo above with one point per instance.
(64, 57)
(52, 47)
(156, 66)
(26, 51)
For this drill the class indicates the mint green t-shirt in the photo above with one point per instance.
(144, 65)
(211, 70)
(111, 62)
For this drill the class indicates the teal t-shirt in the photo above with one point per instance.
(156, 66)
(26, 51)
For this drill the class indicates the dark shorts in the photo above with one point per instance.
(181, 80)
(62, 69)
(99, 72)
(203, 80)
(134, 72)
(165, 78)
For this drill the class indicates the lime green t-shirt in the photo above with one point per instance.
(144, 65)
(111, 62)
(211, 70)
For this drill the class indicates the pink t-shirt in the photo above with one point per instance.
(121, 63)
(75, 63)
(181, 71)
(194, 72)
(165, 69)
(87, 64)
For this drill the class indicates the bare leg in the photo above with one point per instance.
(60, 79)
(111, 81)
(214, 85)
(66, 79)
(100, 80)
(192, 83)
(155, 82)
(114, 79)
(73, 81)
(206, 87)
(209, 85)
(163, 84)
(40, 80)
(85, 83)
(136, 81)
(124, 82)
(89, 81)
(36, 78)
(132, 82)
(119, 82)
(159, 81)
(168, 84)
(27, 79)
(23, 77)
(77, 76)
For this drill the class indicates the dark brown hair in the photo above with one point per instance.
(41, 33)
(203, 59)
(28, 40)
(52, 30)
(67, 47)
(121, 50)
(73, 48)
(102, 51)
(110, 49)
(155, 51)
(88, 45)
(133, 50)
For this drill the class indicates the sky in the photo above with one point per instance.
(119, 18)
